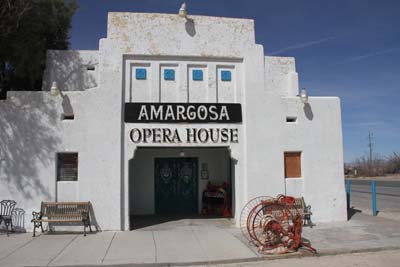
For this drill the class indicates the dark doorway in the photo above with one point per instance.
(210, 168)
(176, 186)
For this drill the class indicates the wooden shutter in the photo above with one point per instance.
(292, 164)
(67, 167)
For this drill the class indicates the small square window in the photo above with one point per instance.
(226, 75)
(68, 116)
(169, 74)
(141, 74)
(292, 161)
(197, 75)
(67, 167)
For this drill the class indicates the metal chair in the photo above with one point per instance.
(6, 209)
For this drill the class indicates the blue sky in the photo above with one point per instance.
(345, 48)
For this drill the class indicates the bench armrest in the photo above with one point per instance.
(308, 209)
(36, 215)
(85, 215)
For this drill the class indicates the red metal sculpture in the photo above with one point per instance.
(274, 225)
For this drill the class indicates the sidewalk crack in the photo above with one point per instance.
(18, 248)
(108, 249)
(61, 251)
(155, 247)
(201, 247)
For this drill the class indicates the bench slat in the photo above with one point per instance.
(64, 215)
(56, 220)
(65, 203)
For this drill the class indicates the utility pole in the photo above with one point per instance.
(370, 146)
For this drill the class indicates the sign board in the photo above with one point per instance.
(183, 113)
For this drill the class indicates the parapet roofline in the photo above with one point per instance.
(189, 16)
(170, 34)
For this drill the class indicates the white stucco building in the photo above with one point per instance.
(166, 105)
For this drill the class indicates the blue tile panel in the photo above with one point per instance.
(169, 74)
(226, 75)
(197, 75)
(141, 74)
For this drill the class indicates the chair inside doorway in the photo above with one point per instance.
(217, 200)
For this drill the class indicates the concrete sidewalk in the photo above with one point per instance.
(186, 242)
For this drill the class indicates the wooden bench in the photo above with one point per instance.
(62, 212)
(305, 211)
(298, 207)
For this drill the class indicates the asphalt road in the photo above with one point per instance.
(387, 194)
(389, 258)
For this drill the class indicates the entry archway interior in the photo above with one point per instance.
(182, 182)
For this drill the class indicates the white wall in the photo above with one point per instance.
(281, 76)
(33, 132)
(169, 34)
(318, 134)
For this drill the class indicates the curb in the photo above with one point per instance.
(344, 252)
(323, 253)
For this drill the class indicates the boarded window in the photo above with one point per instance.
(67, 167)
(292, 164)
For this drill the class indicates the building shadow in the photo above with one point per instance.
(18, 222)
(18, 219)
(190, 27)
(93, 220)
(28, 141)
(30, 135)
(71, 70)
(351, 212)
(308, 111)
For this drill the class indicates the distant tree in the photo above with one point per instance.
(377, 167)
(393, 163)
(369, 168)
(27, 29)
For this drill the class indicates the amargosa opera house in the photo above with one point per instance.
(176, 116)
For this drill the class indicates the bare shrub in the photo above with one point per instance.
(378, 165)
